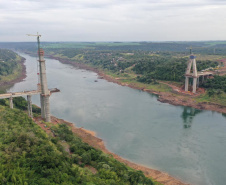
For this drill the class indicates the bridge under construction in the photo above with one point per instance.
(195, 74)
(42, 89)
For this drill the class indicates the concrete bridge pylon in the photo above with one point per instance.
(194, 75)
(45, 93)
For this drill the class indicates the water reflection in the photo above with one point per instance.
(188, 115)
(224, 115)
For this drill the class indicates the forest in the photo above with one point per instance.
(215, 85)
(7, 62)
(30, 156)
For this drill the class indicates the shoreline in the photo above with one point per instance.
(90, 138)
(20, 78)
(164, 97)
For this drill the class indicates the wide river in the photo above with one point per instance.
(187, 143)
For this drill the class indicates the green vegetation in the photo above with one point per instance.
(10, 69)
(212, 96)
(140, 64)
(216, 89)
(170, 69)
(216, 83)
(29, 156)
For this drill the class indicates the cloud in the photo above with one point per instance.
(99, 20)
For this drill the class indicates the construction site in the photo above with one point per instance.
(42, 88)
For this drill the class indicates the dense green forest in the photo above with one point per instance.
(8, 62)
(29, 156)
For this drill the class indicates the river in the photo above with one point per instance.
(187, 143)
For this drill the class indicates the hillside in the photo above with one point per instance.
(12, 68)
(30, 156)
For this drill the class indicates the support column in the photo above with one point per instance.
(194, 68)
(188, 70)
(42, 106)
(194, 85)
(47, 109)
(44, 97)
(186, 83)
(198, 82)
(29, 106)
(11, 102)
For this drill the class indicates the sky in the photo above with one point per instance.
(113, 20)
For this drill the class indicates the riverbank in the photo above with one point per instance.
(173, 97)
(18, 78)
(90, 137)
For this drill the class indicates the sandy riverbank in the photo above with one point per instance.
(90, 138)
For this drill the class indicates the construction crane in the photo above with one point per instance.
(38, 40)
(39, 57)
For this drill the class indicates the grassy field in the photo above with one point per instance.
(218, 99)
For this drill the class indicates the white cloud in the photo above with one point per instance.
(116, 20)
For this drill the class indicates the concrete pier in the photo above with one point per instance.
(194, 85)
(29, 106)
(186, 83)
(45, 93)
(42, 107)
(47, 108)
(194, 75)
(11, 102)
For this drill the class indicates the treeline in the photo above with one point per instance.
(30, 156)
(204, 47)
(7, 62)
(147, 46)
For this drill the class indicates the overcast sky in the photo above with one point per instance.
(113, 20)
